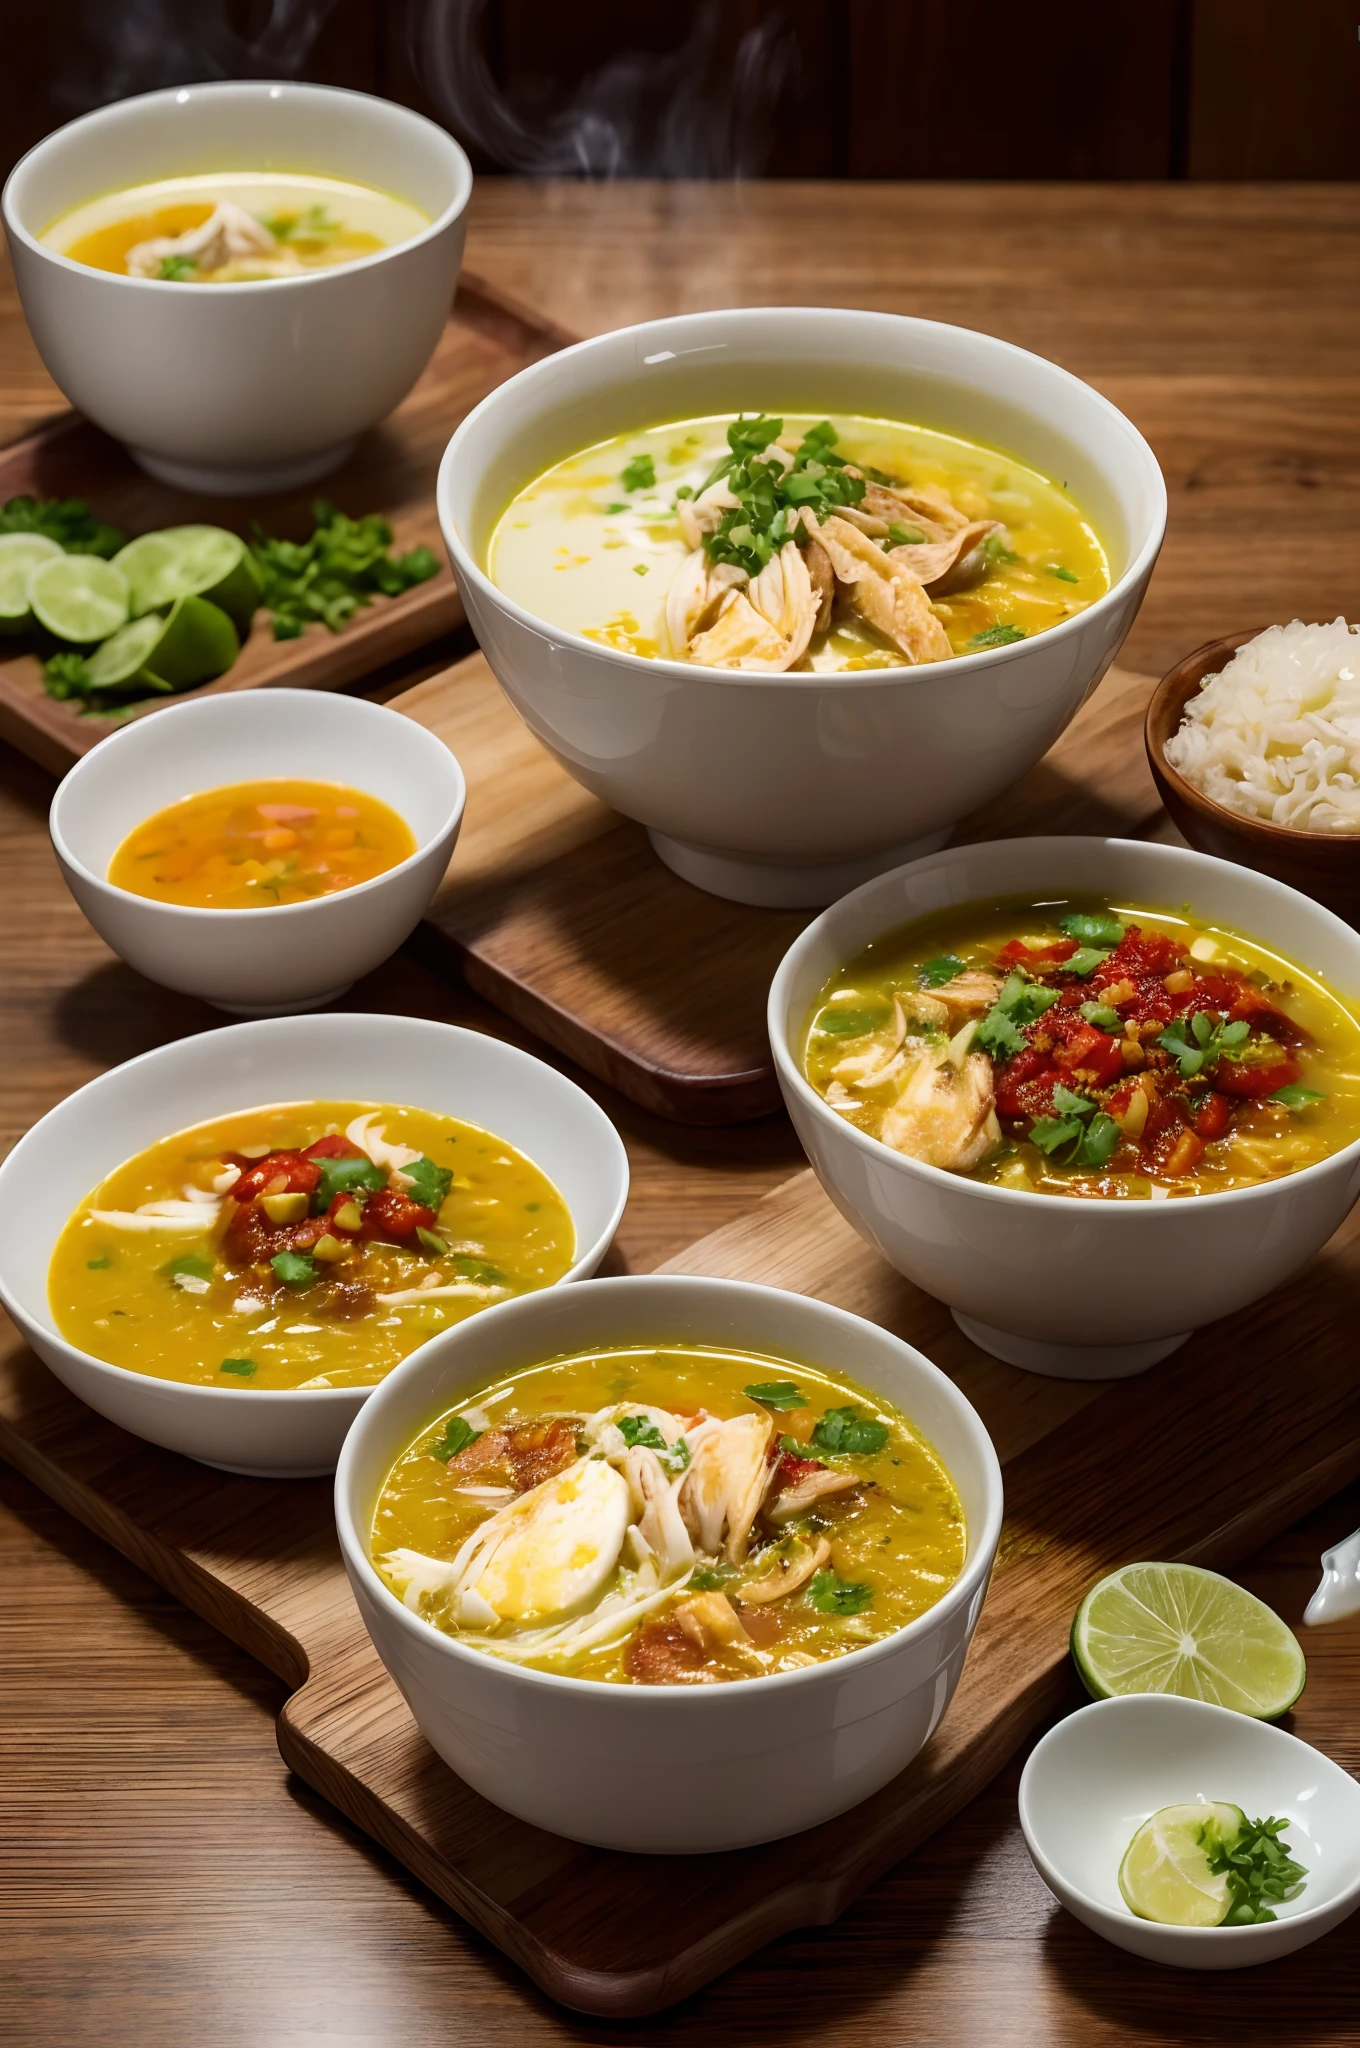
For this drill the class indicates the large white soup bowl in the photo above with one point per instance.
(1079, 1289)
(282, 956)
(789, 789)
(278, 1433)
(240, 387)
(672, 1769)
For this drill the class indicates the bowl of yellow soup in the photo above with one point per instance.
(263, 849)
(1091, 1093)
(224, 1246)
(797, 588)
(236, 279)
(671, 1565)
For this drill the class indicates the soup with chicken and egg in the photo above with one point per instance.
(670, 1515)
(305, 1244)
(1080, 1048)
(233, 227)
(797, 544)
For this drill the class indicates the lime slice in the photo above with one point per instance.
(191, 561)
(1176, 1628)
(78, 597)
(1165, 1874)
(122, 659)
(198, 641)
(20, 554)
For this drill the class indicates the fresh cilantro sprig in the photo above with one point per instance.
(1202, 1041)
(1077, 1123)
(845, 1433)
(640, 1429)
(832, 1595)
(776, 1394)
(69, 521)
(427, 1183)
(345, 1176)
(1091, 929)
(850, 1023)
(1261, 1873)
(295, 1269)
(458, 1434)
(770, 496)
(639, 474)
(1101, 1015)
(1020, 1002)
(943, 968)
(328, 578)
(1295, 1096)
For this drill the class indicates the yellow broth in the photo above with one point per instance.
(576, 547)
(189, 1303)
(1266, 1084)
(250, 845)
(896, 1540)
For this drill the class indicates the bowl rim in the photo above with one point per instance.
(977, 1568)
(186, 1390)
(791, 1077)
(115, 110)
(1173, 1706)
(1286, 839)
(470, 571)
(224, 918)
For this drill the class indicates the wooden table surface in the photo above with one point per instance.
(162, 1880)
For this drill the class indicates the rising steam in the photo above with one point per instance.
(131, 48)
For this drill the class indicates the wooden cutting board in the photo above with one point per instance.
(392, 472)
(1251, 1424)
(558, 912)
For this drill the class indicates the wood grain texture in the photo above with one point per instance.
(392, 472)
(1201, 1459)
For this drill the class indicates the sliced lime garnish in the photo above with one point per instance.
(191, 561)
(1165, 1874)
(1179, 1629)
(122, 658)
(20, 554)
(78, 597)
(197, 642)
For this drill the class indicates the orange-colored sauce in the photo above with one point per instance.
(106, 248)
(252, 844)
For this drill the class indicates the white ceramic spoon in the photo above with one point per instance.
(1338, 1595)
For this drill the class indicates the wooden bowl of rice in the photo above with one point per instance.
(1323, 865)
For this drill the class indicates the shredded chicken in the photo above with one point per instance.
(945, 1114)
(807, 1491)
(788, 1575)
(885, 593)
(969, 994)
(228, 235)
(765, 626)
(720, 1495)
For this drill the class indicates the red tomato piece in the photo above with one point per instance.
(392, 1215)
(790, 1470)
(1141, 953)
(299, 1174)
(334, 1147)
(1025, 1084)
(1093, 1052)
(1235, 1077)
(1249, 1003)
(1213, 1116)
(1018, 954)
(1184, 1155)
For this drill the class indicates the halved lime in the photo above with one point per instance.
(197, 642)
(20, 554)
(78, 597)
(122, 658)
(191, 561)
(1165, 1874)
(1179, 1629)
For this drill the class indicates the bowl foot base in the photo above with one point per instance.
(1069, 1361)
(263, 1472)
(232, 482)
(297, 1009)
(770, 885)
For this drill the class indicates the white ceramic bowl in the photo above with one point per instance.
(280, 1434)
(1029, 1276)
(789, 789)
(1094, 1779)
(673, 1769)
(240, 387)
(288, 956)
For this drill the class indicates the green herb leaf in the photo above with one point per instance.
(66, 520)
(622, 507)
(845, 1433)
(427, 1183)
(1208, 1039)
(1090, 929)
(1102, 1015)
(326, 579)
(1051, 1133)
(295, 1269)
(1261, 1873)
(997, 636)
(640, 1429)
(996, 550)
(639, 474)
(1084, 961)
(1064, 575)
(768, 491)
(98, 1265)
(777, 1394)
(435, 1246)
(935, 973)
(345, 1177)
(705, 1580)
(479, 1270)
(196, 1264)
(176, 269)
(832, 1595)
(997, 1035)
(66, 675)
(458, 1433)
(1295, 1096)
(1024, 1000)
(904, 536)
(1069, 1104)
(242, 1367)
(849, 1023)
(1098, 1141)
(794, 1447)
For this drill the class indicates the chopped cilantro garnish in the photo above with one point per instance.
(845, 1433)
(1085, 960)
(1064, 575)
(1208, 1039)
(640, 569)
(832, 1595)
(640, 1429)
(904, 536)
(618, 507)
(1024, 1000)
(435, 1246)
(66, 520)
(295, 1269)
(176, 269)
(705, 1579)
(1068, 1104)
(479, 1270)
(1093, 1143)
(242, 1367)
(1100, 1014)
(65, 675)
(776, 1394)
(1261, 1873)
(997, 1035)
(327, 578)
(458, 1434)
(768, 494)
(997, 636)
(639, 474)
(996, 550)
(1295, 1096)
(427, 1183)
(98, 1265)
(849, 1023)
(195, 1264)
(1090, 929)
(935, 973)
(345, 1176)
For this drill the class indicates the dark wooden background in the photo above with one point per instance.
(809, 88)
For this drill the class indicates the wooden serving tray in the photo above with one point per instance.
(392, 471)
(558, 912)
(1251, 1424)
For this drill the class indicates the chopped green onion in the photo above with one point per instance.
(242, 1367)
(639, 474)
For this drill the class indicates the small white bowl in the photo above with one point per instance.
(789, 789)
(286, 956)
(1028, 1276)
(234, 388)
(672, 1770)
(276, 1433)
(1094, 1779)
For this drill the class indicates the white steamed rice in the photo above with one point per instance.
(1275, 735)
